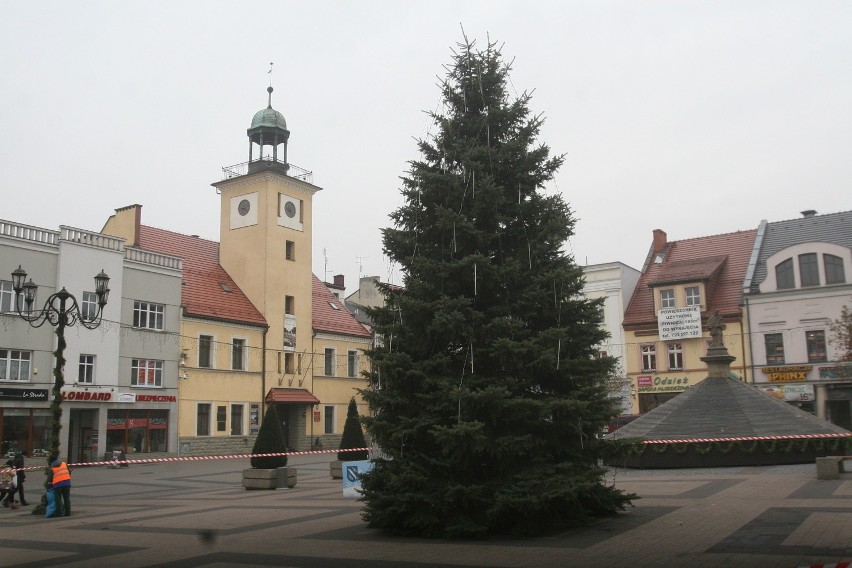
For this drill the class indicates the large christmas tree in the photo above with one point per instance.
(487, 395)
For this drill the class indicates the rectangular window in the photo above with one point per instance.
(675, 356)
(289, 305)
(329, 362)
(329, 420)
(221, 418)
(86, 370)
(89, 306)
(816, 346)
(774, 348)
(693, 296)
(667, 299)
(147, 315)
(834, 273)
(649, 358)
(289, 363)
(352, 363)
(784, 277)
(202, 427)
(290, 250)
(15, 365)
(7, 298)
(146, 373)
(809, 269)
(205, 351)
(238, 354)
(236, 420)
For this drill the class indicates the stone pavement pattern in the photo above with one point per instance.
(188, 514)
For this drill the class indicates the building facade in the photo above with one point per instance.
(682, 284)
(797, 284)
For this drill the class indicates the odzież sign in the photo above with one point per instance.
(679, 323)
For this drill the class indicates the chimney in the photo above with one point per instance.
(338, 280)
(659, 240)
(809, 213)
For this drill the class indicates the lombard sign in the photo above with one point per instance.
(679, 323)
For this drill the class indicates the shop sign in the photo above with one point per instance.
(836, 372)
(663, 384)
(87, 396)
(317, 417)
(644, 381)
(679, 323)
(789, 373)
(23, 394)
(790, 393)
(156, 398)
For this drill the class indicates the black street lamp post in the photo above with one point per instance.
(61, 310)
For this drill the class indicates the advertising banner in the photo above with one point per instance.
(790, 393)
(679, 323)
(351, 480)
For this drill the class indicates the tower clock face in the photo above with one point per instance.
(290, 209)
(244, 207)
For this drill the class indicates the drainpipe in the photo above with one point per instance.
(263, 375)
(750, 352)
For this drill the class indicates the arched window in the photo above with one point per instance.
(834, 273)
(784, 275)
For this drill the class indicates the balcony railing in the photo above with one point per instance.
(28, 233)
(293, 171)
(154, 258)
(89, 238)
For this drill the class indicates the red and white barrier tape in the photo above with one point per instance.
(750, 438)
(201, 458)
(838, 565)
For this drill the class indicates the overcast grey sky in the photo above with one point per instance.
(693, 117)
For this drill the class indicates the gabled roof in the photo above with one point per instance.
(835, 228)
(208, 291)
(331, 316)
(723, 259)
(722, 407)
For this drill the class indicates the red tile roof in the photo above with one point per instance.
(331, 316)
(291, 395)
(208, 291)
(723, 259)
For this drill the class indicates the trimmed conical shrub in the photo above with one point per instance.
(270, 440)
(353, 436)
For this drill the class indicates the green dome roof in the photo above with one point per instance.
(269, 117)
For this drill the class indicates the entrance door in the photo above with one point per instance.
(85, 447)
(284, 416)
(839, 413)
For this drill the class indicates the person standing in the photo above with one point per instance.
(18, 464)
(60, 482)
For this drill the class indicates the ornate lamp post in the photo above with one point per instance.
(60, 310)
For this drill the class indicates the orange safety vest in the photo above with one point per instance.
(60, 473)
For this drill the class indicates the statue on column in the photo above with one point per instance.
(716, 325)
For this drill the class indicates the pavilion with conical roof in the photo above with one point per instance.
(723, 421)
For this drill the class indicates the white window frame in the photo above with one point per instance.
(86, 369)
(329, 361)
(17, 359)
(149, 367)
(242, 350)
(667, 298)
(649, 357)
(675, 356)
(89, 306)
(7, 298)
(211, 352)
(693, 295)
(149, 315)
(352, 364)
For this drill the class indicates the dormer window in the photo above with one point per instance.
(693, 296)
(834, 273)
(667, 298)
(809, 269)
(784, 275)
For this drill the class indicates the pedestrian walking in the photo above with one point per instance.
(60, 484)
(18, 464)
(8, 486)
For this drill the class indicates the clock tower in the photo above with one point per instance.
(266, 241)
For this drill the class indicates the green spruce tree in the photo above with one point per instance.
(270, 440)
(353, 436)
(487, 397)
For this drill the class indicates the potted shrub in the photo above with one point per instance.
(353, 437)
(269, 472)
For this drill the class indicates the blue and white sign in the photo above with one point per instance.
(352, 470)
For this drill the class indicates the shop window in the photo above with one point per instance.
(784, 277)
(137, 431)
(202, 427)
(808, 269)
(774, 348)
(221, 418)
(834, 273)
(816, 346)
